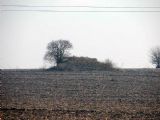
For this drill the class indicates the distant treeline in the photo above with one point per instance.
(83, 64)
(58, 52)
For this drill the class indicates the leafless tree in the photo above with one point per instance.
(155, 56)
(57, 51)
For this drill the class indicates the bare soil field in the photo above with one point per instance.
(88, 95)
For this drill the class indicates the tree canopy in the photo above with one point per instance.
(57, 51)
(155, 56)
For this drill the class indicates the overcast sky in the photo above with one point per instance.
(124, 37)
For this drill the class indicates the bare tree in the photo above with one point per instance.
(109, 64)
(57, 51)
(155, 56)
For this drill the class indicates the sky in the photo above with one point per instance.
(123, 37)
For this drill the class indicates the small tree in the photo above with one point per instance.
(109, 64)
(57, 51)
(155, 57)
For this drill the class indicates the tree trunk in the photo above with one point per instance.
(158, 66)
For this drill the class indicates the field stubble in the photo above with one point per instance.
(121, 94)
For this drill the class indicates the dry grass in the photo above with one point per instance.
(119, 111)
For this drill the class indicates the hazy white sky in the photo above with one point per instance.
(124, 37)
